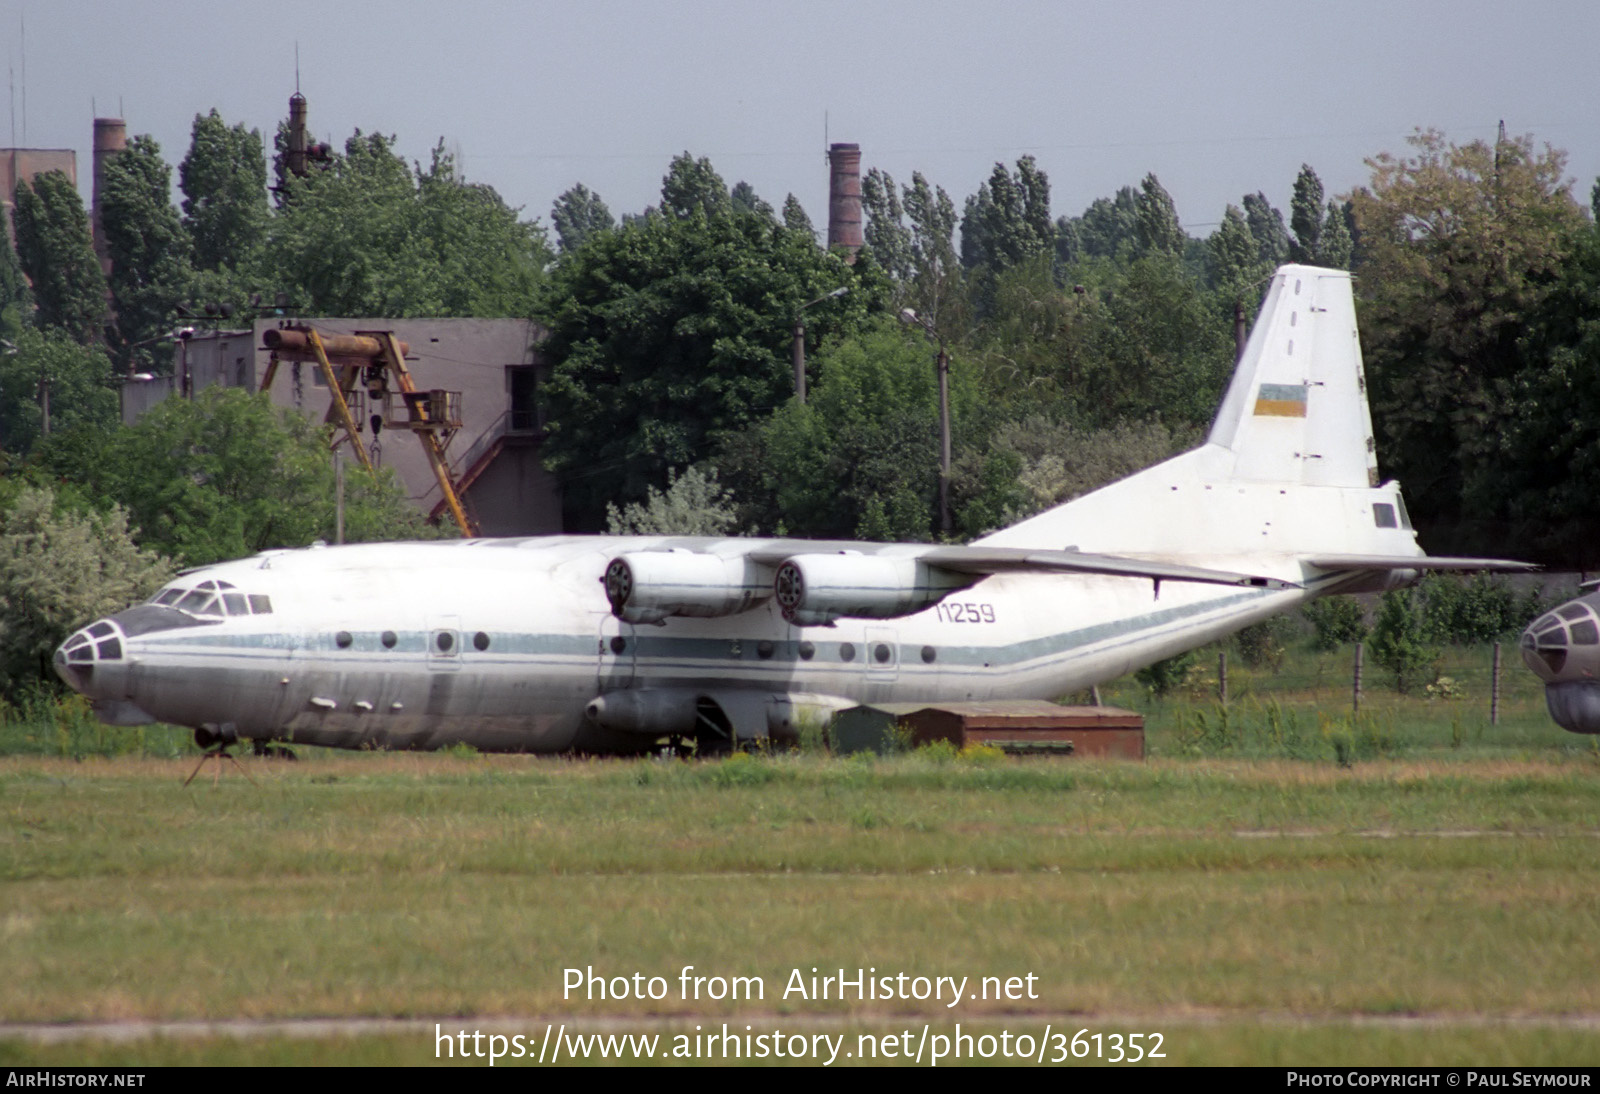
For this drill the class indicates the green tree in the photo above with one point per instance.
(1266, 227)
(370, 236)
(693, 504)
(227, 474)
(16, 303)
(672, 333)
(743, 198)
(1537, 488)
(578, 214)
(1233, 256)
(794, 217)
(82, 393)
(60, 569)
(693, 186)
(860, 459)
(1306, 217)
(1106, 229)
(1337, 247)
(57, 254)
(151, 271)
(885, 232)
(1156, 226)
(224, 184)
(1460, 245)
(1009, 218)
(1399, 640)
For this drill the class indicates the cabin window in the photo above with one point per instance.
(444, 640)
(480, 641)
(343, 640)
(260, 605)
(388, 639)
(847, 651)
(1383, 515)
(882, 653)
(618, 644)
(765, 649)
(807, 651)
(929, 654)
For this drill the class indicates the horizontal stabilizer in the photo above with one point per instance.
(1380, 563)
(995, 560)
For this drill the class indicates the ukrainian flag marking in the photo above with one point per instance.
(1281, 401)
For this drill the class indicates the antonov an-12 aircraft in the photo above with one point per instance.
(615, 644)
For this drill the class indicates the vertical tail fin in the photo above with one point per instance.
(1289, 467)
(1296, 410)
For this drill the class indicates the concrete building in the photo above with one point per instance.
(493, 363)
(24, 164)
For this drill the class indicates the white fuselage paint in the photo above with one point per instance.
(549, 639)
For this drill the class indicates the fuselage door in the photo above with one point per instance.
(617, 652)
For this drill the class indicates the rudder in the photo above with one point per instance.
(1296, 408)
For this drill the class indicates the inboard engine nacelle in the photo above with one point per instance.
(648, 586)
(814, 590)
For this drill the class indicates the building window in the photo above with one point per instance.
(522, 384)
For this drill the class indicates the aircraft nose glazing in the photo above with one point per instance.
(76, 658)
(1564, 643)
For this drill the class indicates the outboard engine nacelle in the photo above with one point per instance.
(814, 590)
(649, 586)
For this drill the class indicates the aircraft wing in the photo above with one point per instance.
(995, 560)
(1384, 563)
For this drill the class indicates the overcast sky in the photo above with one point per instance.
(1218, 99)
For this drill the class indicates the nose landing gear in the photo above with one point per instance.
(216, 743)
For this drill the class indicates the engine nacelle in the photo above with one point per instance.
(814, 590)
(648, 586)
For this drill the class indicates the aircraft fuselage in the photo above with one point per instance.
(506, 645)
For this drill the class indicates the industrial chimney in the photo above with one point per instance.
(844, 198)
(110, 138)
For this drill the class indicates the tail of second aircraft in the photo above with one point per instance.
(1289, 467)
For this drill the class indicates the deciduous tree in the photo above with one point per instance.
(1460, 245)
(224, 183)
(57, 254)
(578, 214)
(151, 269)
(671, 333)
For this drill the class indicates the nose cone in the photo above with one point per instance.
(75, 662)
(1562, 648)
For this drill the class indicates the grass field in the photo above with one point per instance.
(1280, 884)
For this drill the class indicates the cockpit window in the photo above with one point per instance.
(1383, 514)
(198, 602)
(212, 598)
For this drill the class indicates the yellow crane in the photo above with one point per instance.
(367, 362)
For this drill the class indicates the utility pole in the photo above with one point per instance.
(799, 350)
(942, 362)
